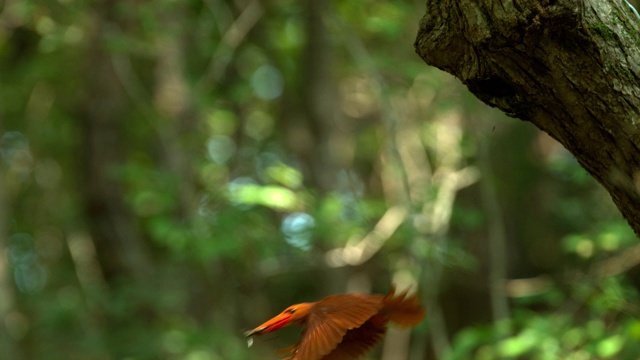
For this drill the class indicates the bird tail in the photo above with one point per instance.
(403, 309)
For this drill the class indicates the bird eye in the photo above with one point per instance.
(291, 311)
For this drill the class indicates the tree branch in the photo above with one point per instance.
(571, 67)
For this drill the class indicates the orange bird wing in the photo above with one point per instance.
(359, 340)
(329, 321)
(403, 310)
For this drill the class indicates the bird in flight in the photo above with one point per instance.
(341, 327)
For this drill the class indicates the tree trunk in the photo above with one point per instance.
(319, 101)
(7, 300)
(571, 67)
(117, 237)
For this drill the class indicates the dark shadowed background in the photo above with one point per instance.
(173, 173)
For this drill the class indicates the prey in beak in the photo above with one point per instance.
(289, 315)
(250, 333)
(256, 331)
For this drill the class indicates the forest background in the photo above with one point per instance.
(173, 173)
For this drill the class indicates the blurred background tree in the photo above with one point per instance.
(175, 172)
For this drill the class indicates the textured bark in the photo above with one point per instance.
(571, 67)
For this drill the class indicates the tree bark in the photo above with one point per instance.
(571, 67)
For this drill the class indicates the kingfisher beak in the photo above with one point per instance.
(273, 324)
(258, 330)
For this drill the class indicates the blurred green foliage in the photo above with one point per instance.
(247, 155)
(590, 321)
